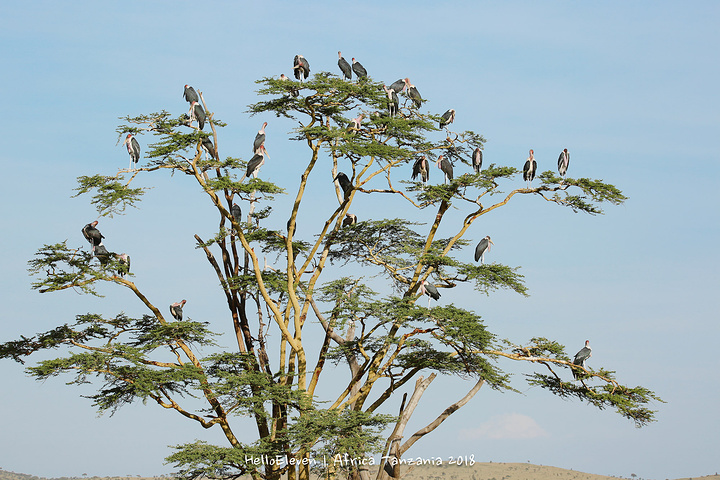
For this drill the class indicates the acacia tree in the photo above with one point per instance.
(390, 342)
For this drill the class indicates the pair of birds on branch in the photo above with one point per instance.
(421, 167)
(530, 167)
(196, 113)
(95, 238)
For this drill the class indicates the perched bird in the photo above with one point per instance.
(447, 168)
(359, 70)
(430, 290)
(197, 113)
(350, 219)
(124, 266)
(208, 146)
(236, 212)
(357, 122)
(413, 93)
(581, 356)
(176, 310)
(563, 162)
(483, 246)
(530, 168)
(253, 166)
(133, 148)
(344, 183)
(398, 86)
(92, 235)
(190, 95)
(477, 159)
(102, 254)
(293, 91)
(393, 101)
(344, 66)
(301, 67)
(422, 168)
(447, 118)
(259, 138)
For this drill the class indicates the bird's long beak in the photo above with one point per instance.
(266, 152)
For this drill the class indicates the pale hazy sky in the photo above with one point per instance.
(630, 88)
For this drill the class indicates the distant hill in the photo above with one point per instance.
(479, 471)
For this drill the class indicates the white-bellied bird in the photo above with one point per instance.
(259, 138)
(421, 167)
(133, 148)
(350, 219)
(447, 118)
(176, 309)
(253, 166)
(413, 93)
(344, 183)
(393, 100)
(481, 248)
(344, 67)
(581, 356)
(190, 94)
(92, 234)
(197, 113)
(447, 168)
(359, 70)
(124, 260)
(563, 162)
(477, 159)
(529, 168)
(430, 290)
(301, 67)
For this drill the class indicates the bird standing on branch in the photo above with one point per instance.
(133, 148)
(190, 95)
(581, 356)
(477, 158)
(176, 309)
(301, 67)
(530, 168)
(481, 248)
(359, 70)
(92, 235)
(344, 67)
(563, 163)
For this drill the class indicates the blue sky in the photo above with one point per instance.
(629, 88)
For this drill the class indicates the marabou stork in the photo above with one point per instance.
(259, 138)
(293, 91)
(430, 290)
(483, 246)
(350, 219)
(124, 266)
(197, 113)
(344, 183)
(477, 159)
(102, 254)
(421, 168)
(413, 93)
(133, 148)
(208, 146)
(92, 235)
(176, 310)
(359, 70)
(236, 212)
(253, 166)
(447, 118)
(357, 122)
(301, 67)
(398, 86)
(393, 101)
(447, 168)
(530, 168)
(563, 163)
(581, 356)
(344, 66)
(190, 95)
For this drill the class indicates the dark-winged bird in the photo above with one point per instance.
(344, 66)
(102, 254)
(447, 168)
(236, 212)
(133, 148)
(413, 93)
(253, 166)
(447, 118)
(124, 267)
(197, 113)
(301, 67)
(563, 162)
(359, 70)
(481, 248)
(190, 94)
(530, 168)
(398, 86)
(393, 101)
(350, 219)
(208, 146)
(430, 290)
(421, 168)
(477, 160)
(176, 310)
(344, 183)
(581, 356)
(92, 235)
(259, 138)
